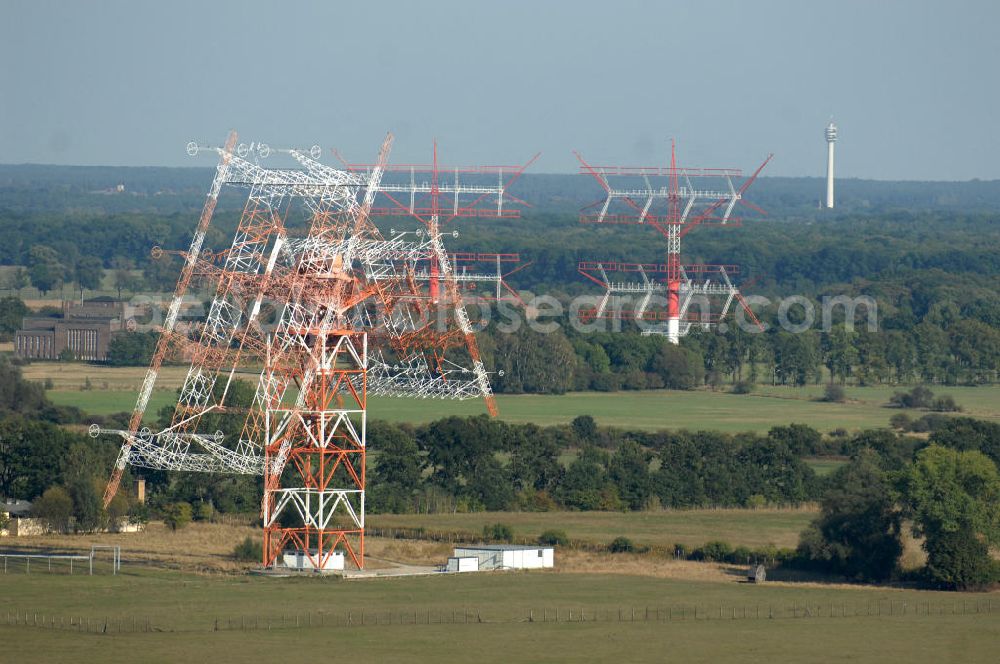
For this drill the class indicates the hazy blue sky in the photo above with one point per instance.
(913, 85)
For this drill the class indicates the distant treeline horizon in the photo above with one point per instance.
(184, 186)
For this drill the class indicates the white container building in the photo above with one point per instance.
(508, 556)
(299, 560)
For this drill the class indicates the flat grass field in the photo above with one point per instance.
(194, 600)
(185, 611)
(113, 389)
(752, 528)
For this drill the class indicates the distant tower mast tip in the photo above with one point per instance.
(831, 138)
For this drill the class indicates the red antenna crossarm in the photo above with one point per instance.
(688, 198)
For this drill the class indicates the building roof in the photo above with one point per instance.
(15, 507)
(501, 547)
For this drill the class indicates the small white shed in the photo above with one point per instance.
(508, 556)
(299, 560)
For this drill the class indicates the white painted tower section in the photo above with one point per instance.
(831, 138)
(674, 330)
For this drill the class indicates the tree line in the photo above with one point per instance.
(942, 484)
(945, 490)
(962, 351)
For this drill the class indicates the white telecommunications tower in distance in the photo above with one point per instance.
(831, 138)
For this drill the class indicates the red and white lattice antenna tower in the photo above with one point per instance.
(674, 201)
(436, 195)
(345, 297)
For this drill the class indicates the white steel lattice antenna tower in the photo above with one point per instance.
(351, 322)
(831, 138)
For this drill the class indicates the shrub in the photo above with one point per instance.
(621, 545)
(530, 500)
(743, 387)
(901, 422)
(918, 397)
(635, 380)
(834, 393)
(606, 382)
(714, 551)
(88, 508)
(204, 511)
(945, 404)
(138, 513)
(498, 532)
(131, 348)
(585, 428)
(681, 368)
(553, 538)
(54, 508)
(929, 422)
(248, 551)
(177, 515)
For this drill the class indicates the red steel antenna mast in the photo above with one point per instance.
(638, 199)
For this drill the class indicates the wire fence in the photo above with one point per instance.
(350, 618)
(102, 558)
(123, 625)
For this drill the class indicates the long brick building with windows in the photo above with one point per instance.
(85, 328)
